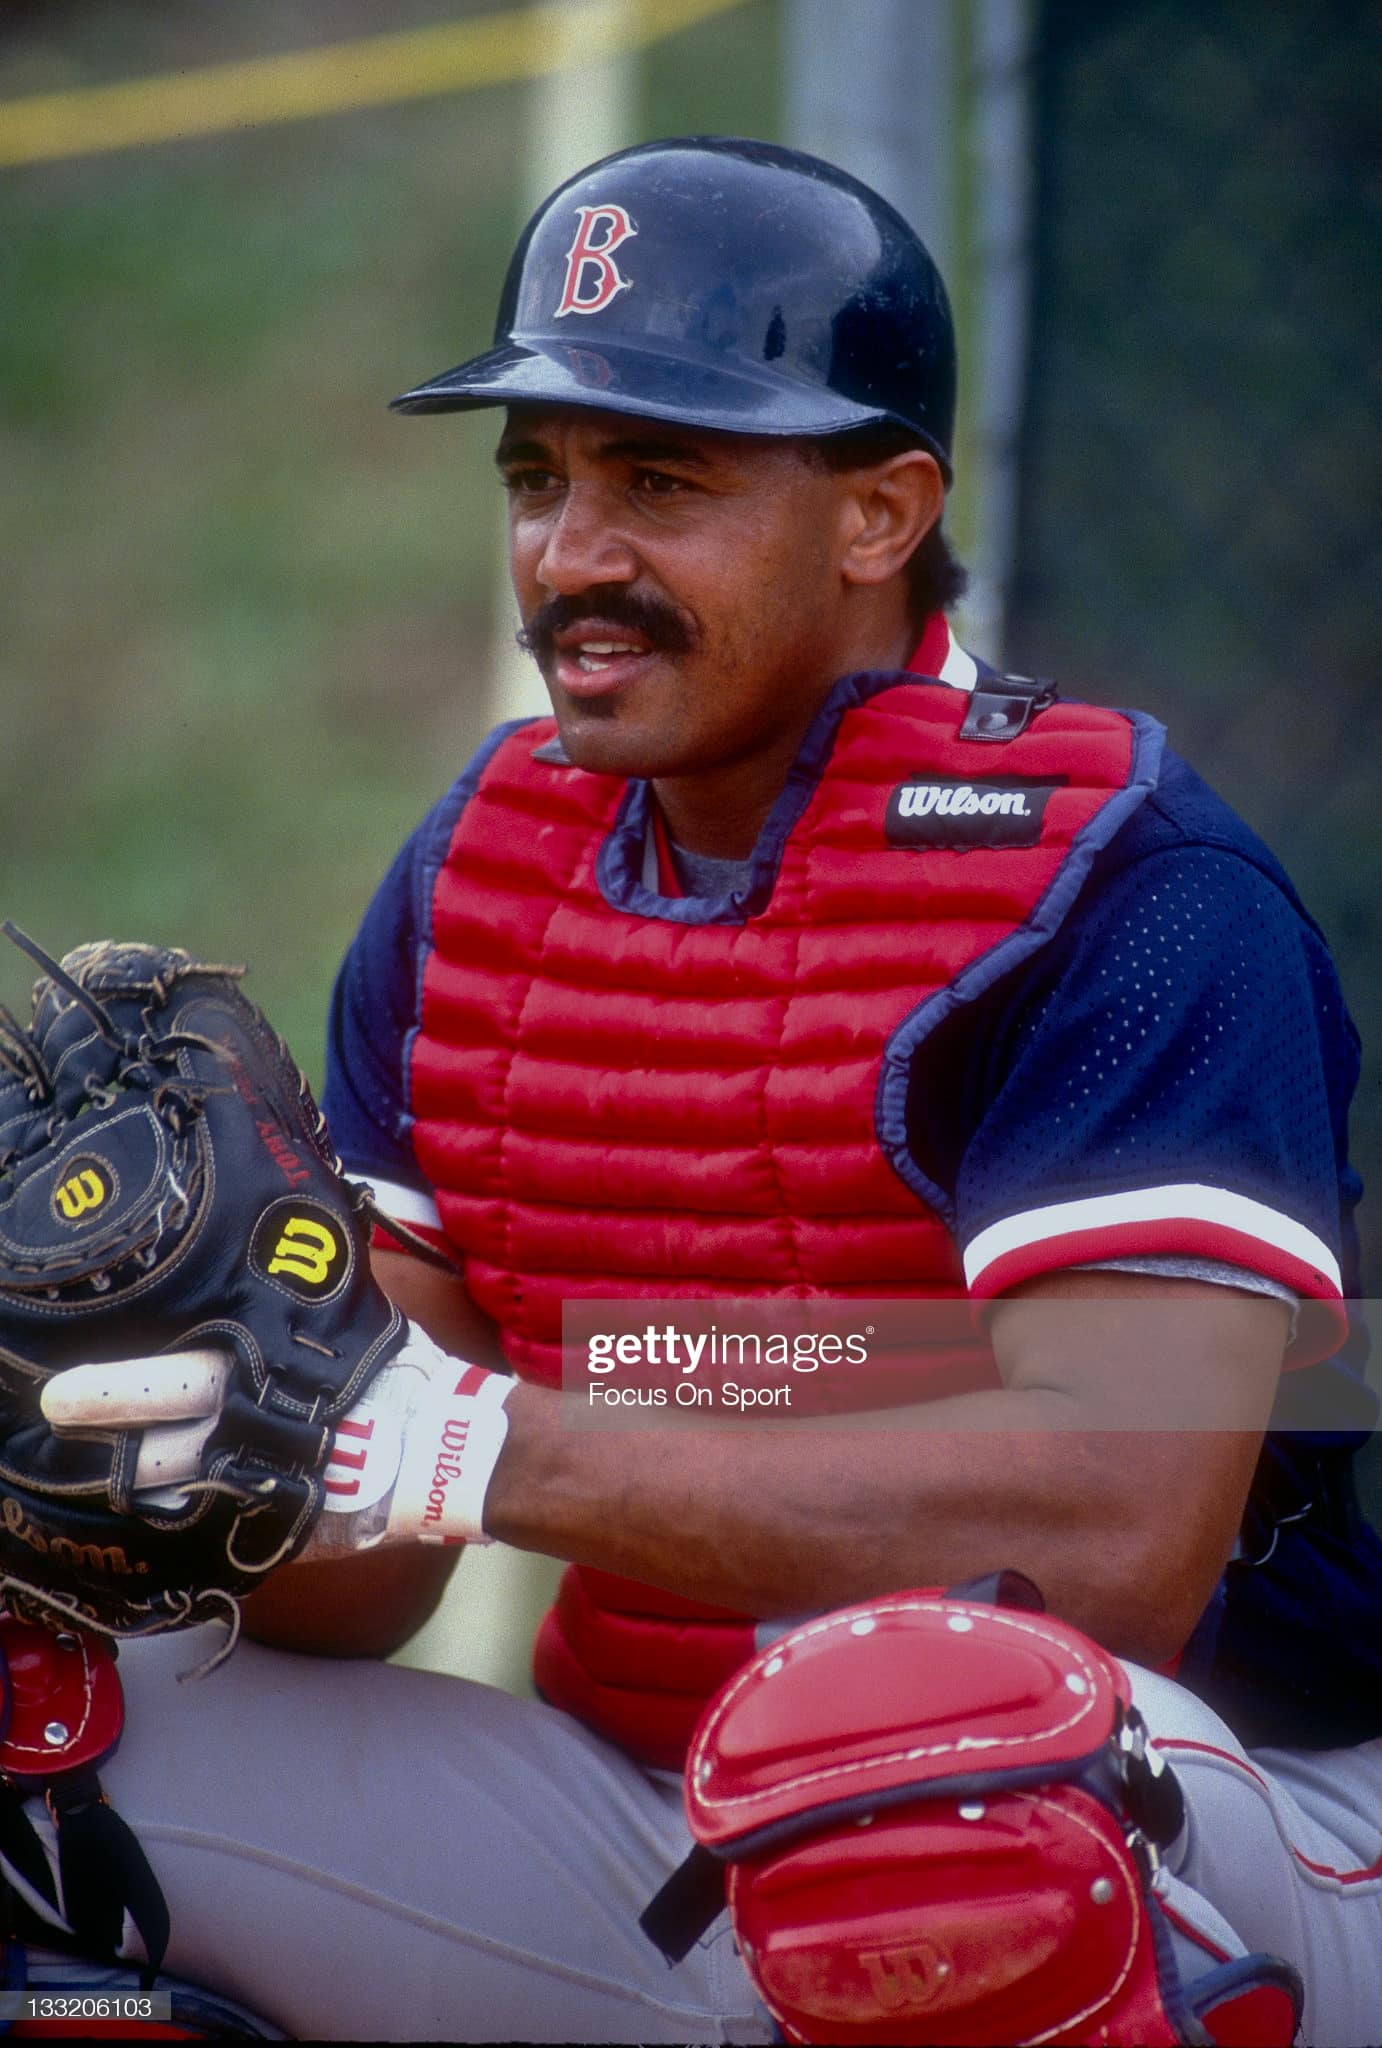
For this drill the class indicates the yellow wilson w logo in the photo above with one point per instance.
(305, 1249)
(85, 1190)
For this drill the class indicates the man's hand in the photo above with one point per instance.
(408, 1463)
(370, 1603)
(363, 1603)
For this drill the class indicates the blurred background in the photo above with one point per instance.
(251, 625)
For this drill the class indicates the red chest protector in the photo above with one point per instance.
(613, 1097)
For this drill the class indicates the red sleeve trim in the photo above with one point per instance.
(1191, 1221)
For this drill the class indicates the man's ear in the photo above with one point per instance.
(889, 508)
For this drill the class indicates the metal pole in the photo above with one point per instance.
(870, 86)
(926, 100)
(1002, 142)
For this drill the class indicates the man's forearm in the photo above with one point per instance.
(1125, 1530)
(784, 1520)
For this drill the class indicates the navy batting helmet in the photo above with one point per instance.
(722, 284)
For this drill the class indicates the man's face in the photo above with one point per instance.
(680, 590)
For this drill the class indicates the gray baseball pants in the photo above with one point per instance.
(361, 1851)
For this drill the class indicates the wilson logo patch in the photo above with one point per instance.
(62, 1548)
(88, 1186)
(961, 814)
(302, 1248)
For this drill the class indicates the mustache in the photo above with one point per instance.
(654, 618)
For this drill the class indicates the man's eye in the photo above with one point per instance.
(527, 482)
(657, 483)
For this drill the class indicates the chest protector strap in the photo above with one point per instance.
(939, 1822)
(61, 1713)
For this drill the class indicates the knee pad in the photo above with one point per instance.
(937, 1820)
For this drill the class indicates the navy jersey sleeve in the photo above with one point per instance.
(1174, 1081)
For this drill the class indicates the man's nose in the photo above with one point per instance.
(584, 545)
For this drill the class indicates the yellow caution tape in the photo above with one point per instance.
(487, 49)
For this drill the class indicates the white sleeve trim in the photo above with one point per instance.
(959, 669)
(407, 1204)
(1189, 1201)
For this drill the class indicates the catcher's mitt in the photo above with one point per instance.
(166, 1180)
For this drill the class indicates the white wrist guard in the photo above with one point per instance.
(451, 1446)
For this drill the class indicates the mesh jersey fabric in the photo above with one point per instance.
(698, 874)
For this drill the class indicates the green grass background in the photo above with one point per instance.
(244, 612)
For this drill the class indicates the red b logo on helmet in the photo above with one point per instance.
(590, 260)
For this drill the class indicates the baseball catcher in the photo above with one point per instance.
(799, 956)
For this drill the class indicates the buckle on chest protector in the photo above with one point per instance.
(552, 753)
(1001, 707)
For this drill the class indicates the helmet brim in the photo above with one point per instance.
(684, 387)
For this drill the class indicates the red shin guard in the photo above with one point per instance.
(940, 1825)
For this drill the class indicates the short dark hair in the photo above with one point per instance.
(935, 578)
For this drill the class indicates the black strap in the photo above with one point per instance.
(21, 1848)
(104, 1873)
(1000, 707)
(1006, 1587)
(693, 1896)
(552, 753)
(1152, 1797)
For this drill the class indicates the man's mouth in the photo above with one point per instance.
(596, 663)
(595, 650)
